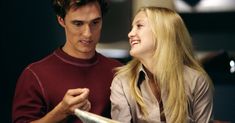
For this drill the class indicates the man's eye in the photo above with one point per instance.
(78, 23)
(96, 22)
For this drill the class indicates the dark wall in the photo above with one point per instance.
(28, 32)
(117, 22)
(212, 31)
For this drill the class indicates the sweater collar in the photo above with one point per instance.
(76, 61)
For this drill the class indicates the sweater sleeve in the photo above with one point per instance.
(120, 109)
(28, 102)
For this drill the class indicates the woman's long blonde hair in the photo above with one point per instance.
(173, 50)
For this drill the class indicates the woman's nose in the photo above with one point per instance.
(131, 33)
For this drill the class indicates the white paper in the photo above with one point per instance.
(88, 117)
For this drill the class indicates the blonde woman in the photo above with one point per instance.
(164, 82)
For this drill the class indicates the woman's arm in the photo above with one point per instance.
(120, 109)
(203, 101)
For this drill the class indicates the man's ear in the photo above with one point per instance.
(61, 21)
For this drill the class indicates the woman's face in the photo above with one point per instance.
(141, 37)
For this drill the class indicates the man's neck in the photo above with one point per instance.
(79, 55)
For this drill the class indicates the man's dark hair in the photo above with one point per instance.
(62, 6)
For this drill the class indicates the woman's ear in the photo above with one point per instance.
(61, 21)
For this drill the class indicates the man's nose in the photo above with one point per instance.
(87, 31)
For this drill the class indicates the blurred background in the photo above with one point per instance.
(29, 31)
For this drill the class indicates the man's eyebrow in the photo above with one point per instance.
(76, 21)
(82, 21)
(97, 19)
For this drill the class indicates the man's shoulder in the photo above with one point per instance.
(45, 61)
(109, 61)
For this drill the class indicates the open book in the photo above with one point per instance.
(88, 117)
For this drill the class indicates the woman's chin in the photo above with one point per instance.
(133, 53)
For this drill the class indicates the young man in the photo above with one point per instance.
(73, 76)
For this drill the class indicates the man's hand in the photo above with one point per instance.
(75, 98)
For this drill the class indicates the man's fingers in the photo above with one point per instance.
(78, 91)
(80, 98)
(86, 107)
(76, 98)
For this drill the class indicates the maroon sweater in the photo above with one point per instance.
(43, 84)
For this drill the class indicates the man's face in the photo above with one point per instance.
(82, 27)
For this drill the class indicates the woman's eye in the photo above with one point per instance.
(139, 25)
